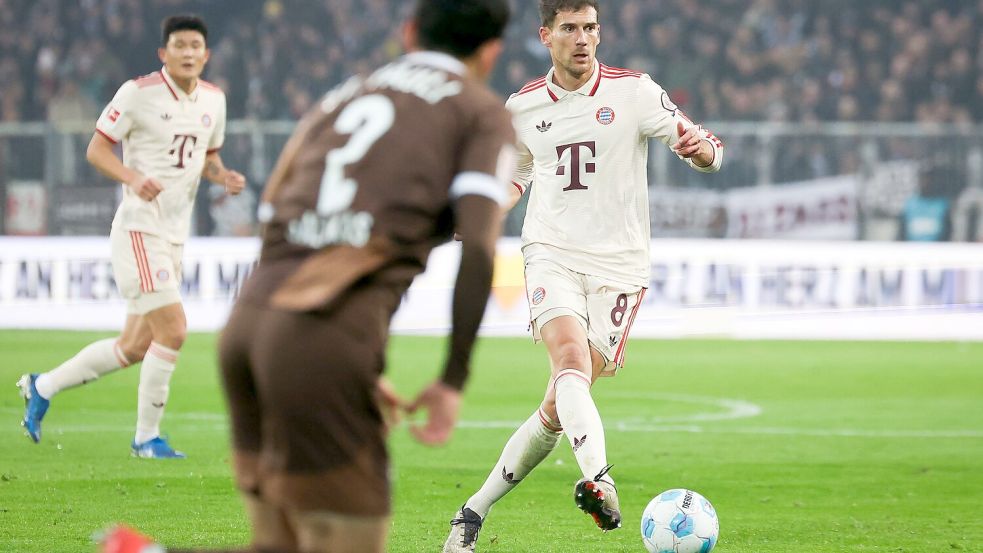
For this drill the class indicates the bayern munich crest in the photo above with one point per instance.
(538, 295)
(605, 116)
(163, 275)
(206, 120)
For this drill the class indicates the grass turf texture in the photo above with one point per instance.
(857, 447)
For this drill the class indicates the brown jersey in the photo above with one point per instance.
(364, 187)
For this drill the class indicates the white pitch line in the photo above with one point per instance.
(216, 423)
(631, 426)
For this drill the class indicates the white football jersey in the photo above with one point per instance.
(166, 134)
(585, 153)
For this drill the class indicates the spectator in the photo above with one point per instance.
(926, 216)
(761, 60)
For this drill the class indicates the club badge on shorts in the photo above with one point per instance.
(163, 275)
(538, 295)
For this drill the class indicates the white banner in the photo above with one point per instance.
(820, 209)
(721, 288)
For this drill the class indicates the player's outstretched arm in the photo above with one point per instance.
(479, 223)
(215, 171)
(101, 155)
(693, 144)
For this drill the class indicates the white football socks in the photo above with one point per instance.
(95, 360)
(155, 378)
(581, 421)
(529, 445)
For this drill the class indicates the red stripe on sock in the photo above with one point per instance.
(120, 358)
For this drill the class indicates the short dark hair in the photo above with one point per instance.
(459, 27)
(176, 23)
(549, 8)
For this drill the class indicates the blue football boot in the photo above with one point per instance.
(35, 406)
(156, 448)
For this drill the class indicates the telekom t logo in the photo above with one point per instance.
(180, 142)
(589, 167)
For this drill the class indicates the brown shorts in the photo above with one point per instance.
(307, 433)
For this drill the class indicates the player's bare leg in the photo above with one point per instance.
(271, 528)
(326, 532)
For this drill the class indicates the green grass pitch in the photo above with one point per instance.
(801, 446)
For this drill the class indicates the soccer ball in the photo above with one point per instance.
(679, 521)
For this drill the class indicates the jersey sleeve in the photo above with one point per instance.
(487, 158)
(218, 136)
(523, 168)
(660, 118)
(117, 117)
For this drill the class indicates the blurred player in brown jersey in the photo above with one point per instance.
(386, 167)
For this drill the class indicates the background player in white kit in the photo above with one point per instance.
(172, 125)
(583, 133)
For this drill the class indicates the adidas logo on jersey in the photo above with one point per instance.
(544, 126)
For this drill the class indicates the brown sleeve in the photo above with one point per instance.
(283, 164)
(479, 220)
(481, 147)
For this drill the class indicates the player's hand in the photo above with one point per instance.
(689, 143)
(234, 182)
(390, 404)
(146, 187)
(442, 404)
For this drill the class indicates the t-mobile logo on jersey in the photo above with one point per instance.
(589, 166)
(180, 142)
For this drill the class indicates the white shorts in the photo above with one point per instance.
(147, 270)
(605, 308)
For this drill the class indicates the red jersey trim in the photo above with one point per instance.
(552, 96)
(209, 85)
(212, 150)
(714, 139)
(109, 138)
(519, 186)
(526, 90)
(148, 80)
(168, 84)
(609, 69)
(597, 83)
(535, 83)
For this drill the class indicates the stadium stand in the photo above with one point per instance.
(790, 62)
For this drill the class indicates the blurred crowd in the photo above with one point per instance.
(796, 61)
(775, 60)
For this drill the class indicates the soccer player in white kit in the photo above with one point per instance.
(583, 132)
(171, 124)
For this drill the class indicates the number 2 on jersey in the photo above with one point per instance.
(366, 120)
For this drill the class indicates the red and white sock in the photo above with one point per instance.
(529, 445)
(155, 380)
